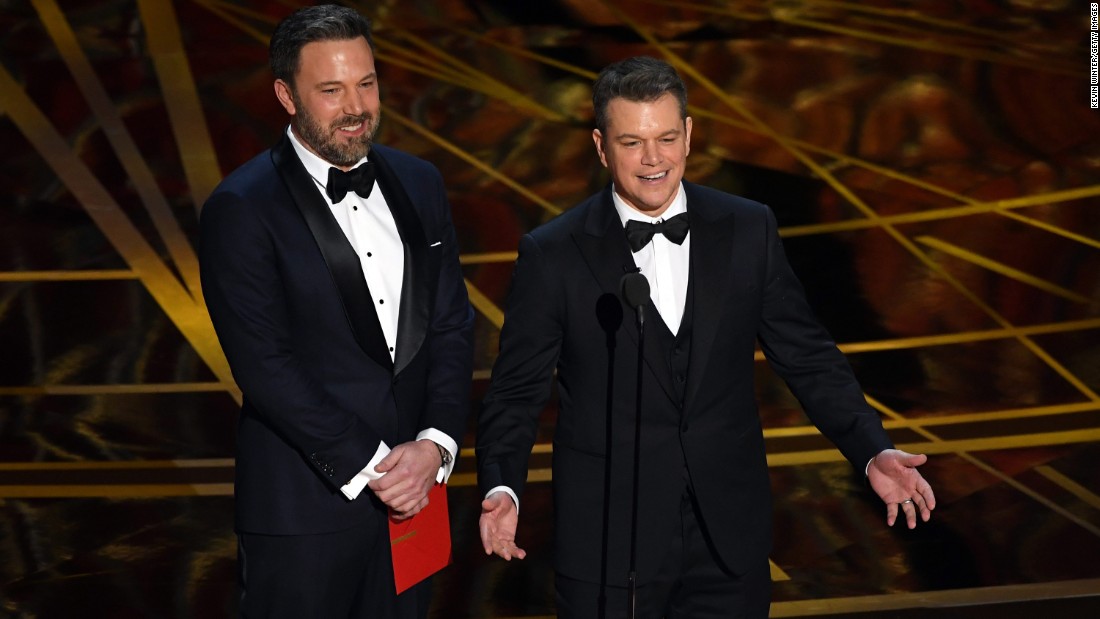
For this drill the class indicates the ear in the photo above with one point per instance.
(286, 99)
(687, 136)
(597, 137)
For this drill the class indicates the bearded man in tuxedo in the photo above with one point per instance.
(330, 269)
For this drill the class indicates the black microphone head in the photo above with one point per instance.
(635, 289)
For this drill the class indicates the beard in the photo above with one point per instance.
(325, 141)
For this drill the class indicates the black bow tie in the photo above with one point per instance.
(639, 233)
(360, 180)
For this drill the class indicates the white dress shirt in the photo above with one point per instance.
(664, 263)
(370, 228)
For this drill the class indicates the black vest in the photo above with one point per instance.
(676, 349)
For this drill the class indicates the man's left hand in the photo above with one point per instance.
(893, 475)
(410, 470)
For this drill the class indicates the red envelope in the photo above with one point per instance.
(421, 545)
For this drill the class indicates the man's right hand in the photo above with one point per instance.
(408, 474)
(499, 518)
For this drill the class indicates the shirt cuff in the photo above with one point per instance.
(867, 469)
(446, 442)
(357, 483)
(507, 490)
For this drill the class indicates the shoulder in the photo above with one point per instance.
(255, 175)
(713, 205)
(711, 198)
(402, 162)
(563, 226)
(251, 188)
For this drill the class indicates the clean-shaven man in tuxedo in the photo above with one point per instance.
(719, 282)
(330, 268)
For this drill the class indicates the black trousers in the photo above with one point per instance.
(691, 583)
(345, 574)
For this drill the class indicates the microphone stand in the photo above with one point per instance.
(632, 577)
(609, 313)
(635, 289)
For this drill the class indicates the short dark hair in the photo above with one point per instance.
(328, 22)
(641, 79)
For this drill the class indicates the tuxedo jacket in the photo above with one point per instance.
(564, 313)
(293, 312)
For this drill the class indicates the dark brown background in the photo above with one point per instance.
(935, 167)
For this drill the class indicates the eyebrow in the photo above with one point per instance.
(624, 136)
(369, 76)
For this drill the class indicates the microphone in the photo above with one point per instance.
(635, 291)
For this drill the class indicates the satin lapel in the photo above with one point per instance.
(412, 322)
(341, 259)
(603, 245)
(711, 255)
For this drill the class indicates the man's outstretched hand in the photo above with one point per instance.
(893, 476)
(499, 518)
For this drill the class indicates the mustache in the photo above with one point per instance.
(344, 121)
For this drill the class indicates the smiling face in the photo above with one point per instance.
(645, 149)
(334, 100)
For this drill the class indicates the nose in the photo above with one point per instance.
(651, 155)
(353, 102)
